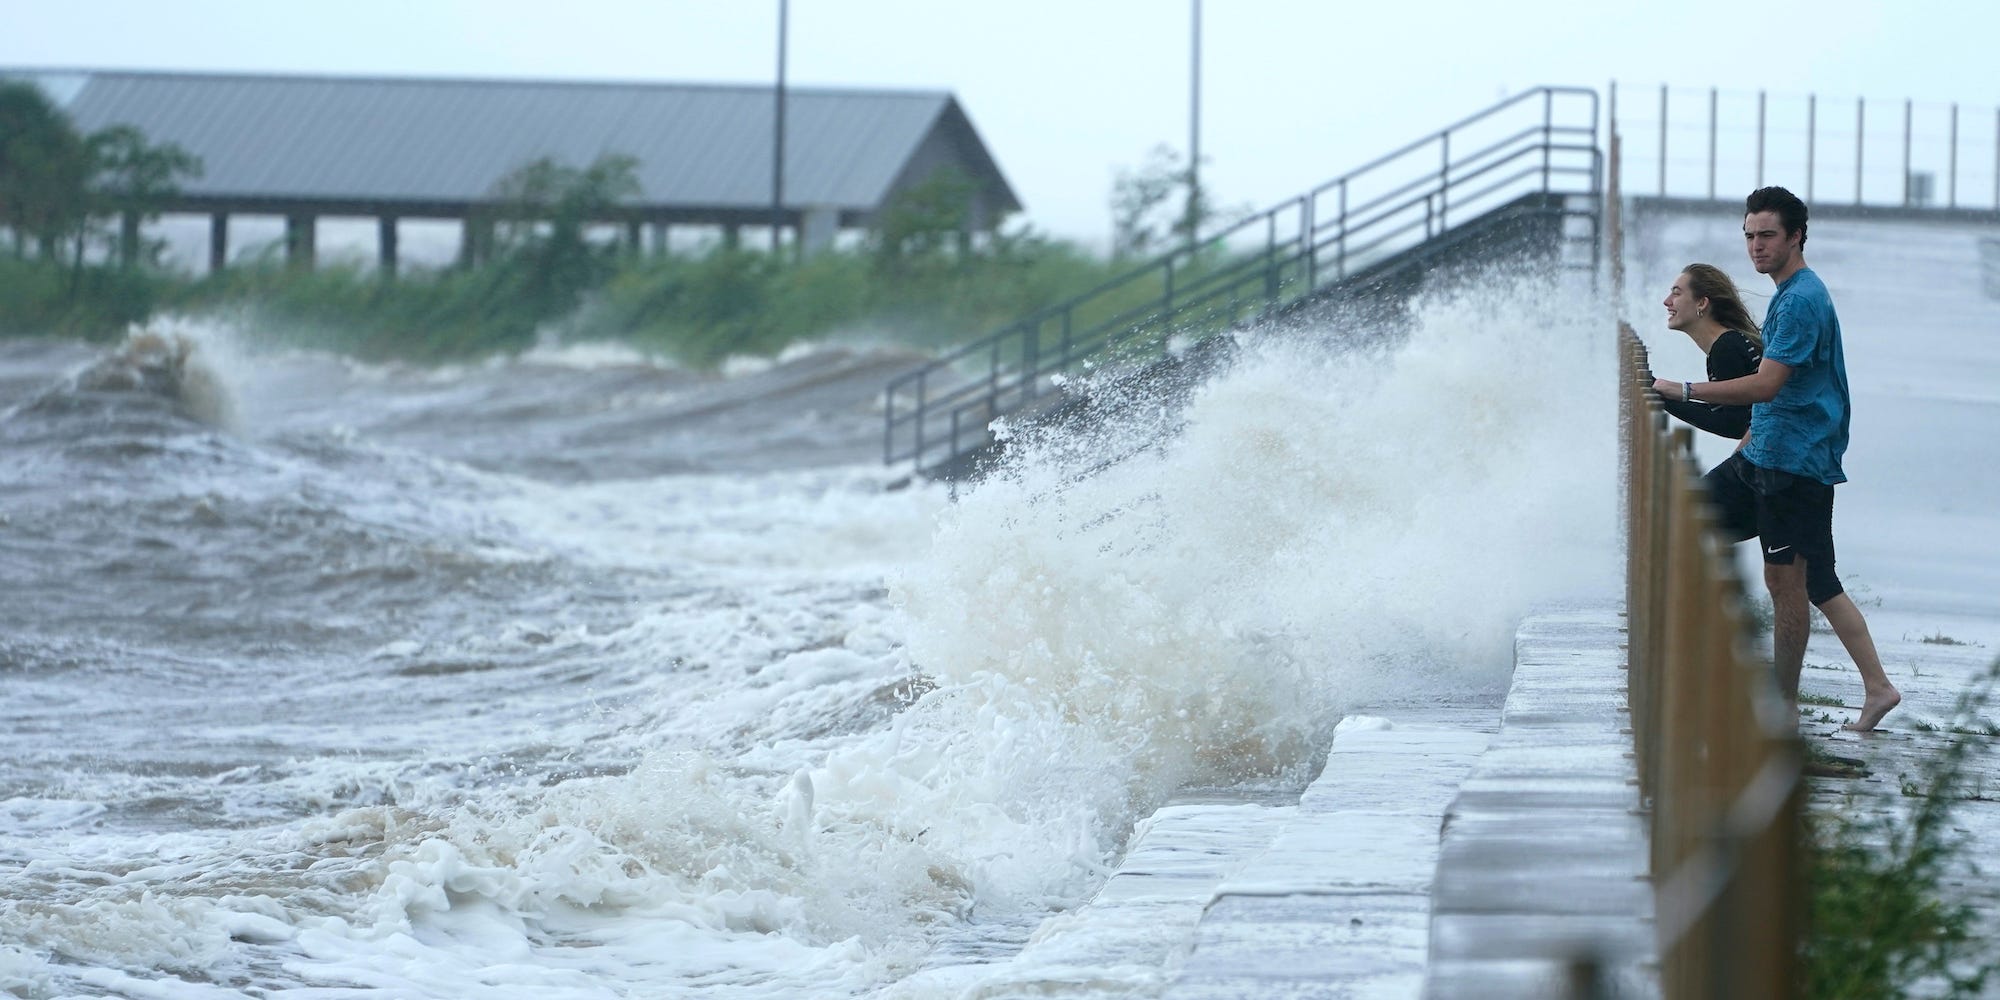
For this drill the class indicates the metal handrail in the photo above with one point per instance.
(1832, 151)
(1308, 242)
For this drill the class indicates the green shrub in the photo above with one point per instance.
(1887, 919)
(426, 316)
(702, 309)
(93, 302)
(697, 308)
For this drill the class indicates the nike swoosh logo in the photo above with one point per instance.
(1773, 552)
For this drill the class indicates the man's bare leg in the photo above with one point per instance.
(1878, 696)
(1791, 623)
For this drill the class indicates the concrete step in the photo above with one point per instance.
(1136, 930)
(1339, 904)
(1543, 867)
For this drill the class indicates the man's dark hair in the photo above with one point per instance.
(1791, 211)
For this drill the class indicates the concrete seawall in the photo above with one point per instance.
(1474, 850)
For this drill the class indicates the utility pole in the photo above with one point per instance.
(1194, 129)
(778, 136)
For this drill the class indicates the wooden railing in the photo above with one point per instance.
(1717, 744)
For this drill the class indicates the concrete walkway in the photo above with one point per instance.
(1477, 851)
(1440, 858)
(1934, 660)
(1339, 904)
(1443, 851)
(1544, 862)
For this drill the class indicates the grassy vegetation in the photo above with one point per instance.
(432, 316)
(65, 200)
(1938, 638)
(1825, 763)
(730, 302)
(95, 303)
(71, 204)
(698, 308)
(1887, 917)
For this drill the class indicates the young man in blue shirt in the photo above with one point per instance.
(1778, 486)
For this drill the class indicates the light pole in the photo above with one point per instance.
(778, 136)
(1194, 128)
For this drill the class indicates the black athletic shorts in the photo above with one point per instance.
(1790, 515)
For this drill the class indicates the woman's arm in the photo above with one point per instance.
(1760, 386)
(1715, 418)
(1733, 355)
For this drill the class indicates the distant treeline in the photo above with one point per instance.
(698, 308)
(71, 209)
(75, 263)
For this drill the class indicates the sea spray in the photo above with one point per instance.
(188, 366)
(1324, 527)
(677, 733)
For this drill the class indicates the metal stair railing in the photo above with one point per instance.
(1540, 142)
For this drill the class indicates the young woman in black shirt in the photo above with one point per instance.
(1704, 305)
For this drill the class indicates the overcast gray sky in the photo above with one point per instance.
(1066, 92)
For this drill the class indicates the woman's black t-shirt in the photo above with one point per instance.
(1733, 355)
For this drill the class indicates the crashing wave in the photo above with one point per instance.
(163, 366)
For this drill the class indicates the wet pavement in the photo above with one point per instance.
(1478, 850)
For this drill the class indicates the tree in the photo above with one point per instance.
(43, 168)
(925, 220)
(562, 198)
(57, 186)
(130, 179)
(1140, 223)
(545, 207)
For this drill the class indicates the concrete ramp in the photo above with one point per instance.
(1919, 304)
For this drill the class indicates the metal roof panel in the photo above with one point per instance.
(325, 138)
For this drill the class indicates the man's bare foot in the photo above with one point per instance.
(1873, 707)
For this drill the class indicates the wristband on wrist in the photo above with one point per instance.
(1687, 392)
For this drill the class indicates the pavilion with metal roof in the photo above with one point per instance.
(307, 147)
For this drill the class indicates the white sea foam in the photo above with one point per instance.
(771, 777)
(590, 355)
(785, 780)
(196, 365)
(23, 972)
(1331, 527)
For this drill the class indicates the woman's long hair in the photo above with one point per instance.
(1706, 281)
